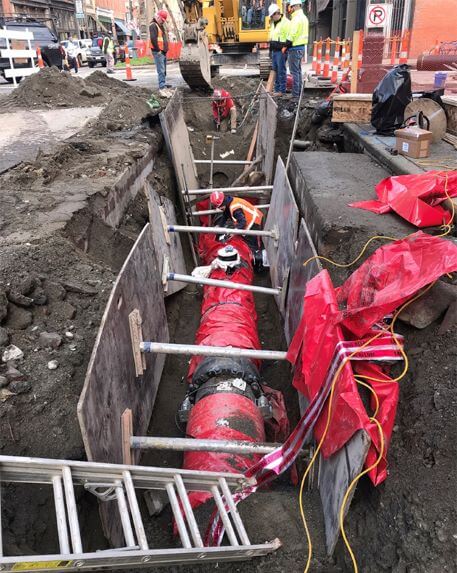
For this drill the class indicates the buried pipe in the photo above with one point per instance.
(221, 231)
(216, 211)
(229, 190)
(300, 144)
(219, 283)
(203, 445)
(200, 350)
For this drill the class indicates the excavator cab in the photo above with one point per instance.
(236, 30)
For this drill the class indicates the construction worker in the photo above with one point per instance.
(108, 50)
(223, 107)
(296, 44)
(279, 26)
(243, 214)
(158, 32)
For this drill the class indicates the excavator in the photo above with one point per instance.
(218, 32)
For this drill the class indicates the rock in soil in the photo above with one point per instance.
(20, 386)
(12, 374)
(4, 336)
(49, 340)
(18, 317)
(12, 352)
(53, 365)
(4, 381)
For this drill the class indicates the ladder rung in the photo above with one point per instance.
(72, 510)
(192, 522)
(125, 518)
(135, 511)
(61, 516)
(224, 516)
(185, 539)
(234, 512)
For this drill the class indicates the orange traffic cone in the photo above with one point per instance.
(40, 58)
(128, 68)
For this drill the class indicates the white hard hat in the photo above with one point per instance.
(272, 9)
(295, 3)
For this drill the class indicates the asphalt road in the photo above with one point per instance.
(146, 76)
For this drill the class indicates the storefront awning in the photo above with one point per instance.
(104, 19)
(122, 27)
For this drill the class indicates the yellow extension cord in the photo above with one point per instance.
(447, 228)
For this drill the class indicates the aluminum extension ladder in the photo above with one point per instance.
(120, 482)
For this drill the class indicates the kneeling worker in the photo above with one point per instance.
(223, 106)
(244, 215)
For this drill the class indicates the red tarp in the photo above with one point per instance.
(416, 198)
(392, 275)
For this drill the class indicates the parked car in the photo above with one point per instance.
(77, 49)
(96, 56)
(43, 37)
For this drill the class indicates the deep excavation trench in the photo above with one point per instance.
(403, 526)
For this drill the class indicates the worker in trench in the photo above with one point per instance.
(243, 215)
(158, 33)
(279, 27)
(223, 108)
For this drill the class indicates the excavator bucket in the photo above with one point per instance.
(194, 62)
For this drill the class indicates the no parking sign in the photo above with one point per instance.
(378, 15)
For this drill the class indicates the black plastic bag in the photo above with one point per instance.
(390, 98)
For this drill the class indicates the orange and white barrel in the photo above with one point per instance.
(336, 62)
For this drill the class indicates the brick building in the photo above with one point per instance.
(428, 20)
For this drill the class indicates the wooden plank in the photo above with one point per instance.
(265, 147)
(127, 433)
(166, 245)
(178, 143)
(283, 217)
(351, 111)
(450, 107)
(111, 385)
(352, 97)
(336, 473)
(298, 279)
(355, 61)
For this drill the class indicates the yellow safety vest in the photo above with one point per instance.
(278, 30)
(298, 29)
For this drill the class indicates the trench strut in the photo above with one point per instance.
(216, 211)
(220, 231)
(200, 350)
(228, 190)
(223, 284)
(200, 445)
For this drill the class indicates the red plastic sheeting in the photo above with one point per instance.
(222, 417)
(391, 276)
(229, 317)
(416, 198)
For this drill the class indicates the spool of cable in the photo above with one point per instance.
(433, 112)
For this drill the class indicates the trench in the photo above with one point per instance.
(381, 515)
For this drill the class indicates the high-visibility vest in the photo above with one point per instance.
(251, 213)
(298, 29)
(278, 30)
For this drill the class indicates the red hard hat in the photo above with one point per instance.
(163, 14)
(216, 198)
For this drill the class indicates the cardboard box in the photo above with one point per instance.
(413, 142)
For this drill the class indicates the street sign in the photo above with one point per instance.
(79, 9)
(378, 15)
